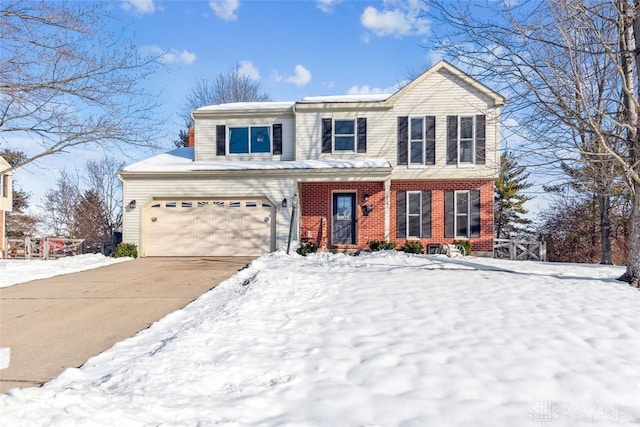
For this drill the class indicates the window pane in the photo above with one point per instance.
(416, 128)
(414, 226)
(344, 143)
(260, 140)
(344, 127)
(466, 152)
(238, 140)
(461, 203)
(466, 128)
(461, 226)
(414, 203)
(416, 152)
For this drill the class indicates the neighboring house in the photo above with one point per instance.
(6, 203)
(418, 164)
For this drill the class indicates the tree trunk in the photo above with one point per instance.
(604, 205)
(632, 275)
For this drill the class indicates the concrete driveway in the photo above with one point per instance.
(61, 322)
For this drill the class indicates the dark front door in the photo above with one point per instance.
(344, 219)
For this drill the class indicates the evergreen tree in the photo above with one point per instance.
(509, 211)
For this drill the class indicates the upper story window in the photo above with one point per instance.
(249, 139)
(417, 140)
(466, 139)
(344, 135)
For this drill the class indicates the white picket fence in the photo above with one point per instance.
(520, 249)
(42, 248)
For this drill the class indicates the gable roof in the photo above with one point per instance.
(455, 71)
(4, 165)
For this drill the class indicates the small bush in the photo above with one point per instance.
(413, 247)
(307, 248)
(381, 245)
(465, 244)
(126, 250)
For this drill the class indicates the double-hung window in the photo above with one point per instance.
(466, 139)
(249, 139)
(344, 135)
(462, 213)
(413, 214)
(417, 140)
(466, 145)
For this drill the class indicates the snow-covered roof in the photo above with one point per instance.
(266, 105)
(181, 160)
(369, 97)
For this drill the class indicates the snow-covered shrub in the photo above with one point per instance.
(381, 245)
(412, 247)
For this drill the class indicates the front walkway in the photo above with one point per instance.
(61, 322)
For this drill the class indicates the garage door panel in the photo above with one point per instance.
(208, 227)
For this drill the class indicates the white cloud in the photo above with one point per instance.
(397, 19)
(247, 68)
(171, 56)
(301, 77)
(140, 6)
(225, 9)
(366, 90)
(327, 6)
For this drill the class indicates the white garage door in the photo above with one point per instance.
(209, 227)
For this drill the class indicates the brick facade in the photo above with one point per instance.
(316, 210)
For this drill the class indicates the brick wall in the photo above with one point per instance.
(484, 243)
(316, 204)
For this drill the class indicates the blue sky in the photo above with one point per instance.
(293, 48)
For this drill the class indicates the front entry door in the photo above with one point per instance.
(344, 219)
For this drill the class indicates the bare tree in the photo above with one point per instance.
(233, 86)
(101, 180)
(67, 79)
(570, 70)
(60, 205)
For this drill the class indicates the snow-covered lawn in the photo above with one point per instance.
(386, 339)
(13, 272)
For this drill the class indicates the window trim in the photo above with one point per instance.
(472, 139)
(269, 129)
(354, 135)
(467, 194)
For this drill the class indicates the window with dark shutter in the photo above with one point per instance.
(452, 140)
(401, 214)
(449, 213)
(426, 214)
(277, 138)
(430, 140)
(403, 140)
(221, 142)
(362, 135)
(480, 139)
(326, 135)
(475, 213)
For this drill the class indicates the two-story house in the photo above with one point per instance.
(6, 202)
(418, 164)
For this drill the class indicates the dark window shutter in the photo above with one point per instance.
(403, 140)
(221, 140)
(430, 140)
(474, 211)
(362, 135)
(277, 138)
(480, 139)
(452, 140)
(327, 127)
(401, 214)
(426, 214)
(449, 212)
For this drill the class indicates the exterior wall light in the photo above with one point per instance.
(284, 203)
(366, 208)
(132, 205)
